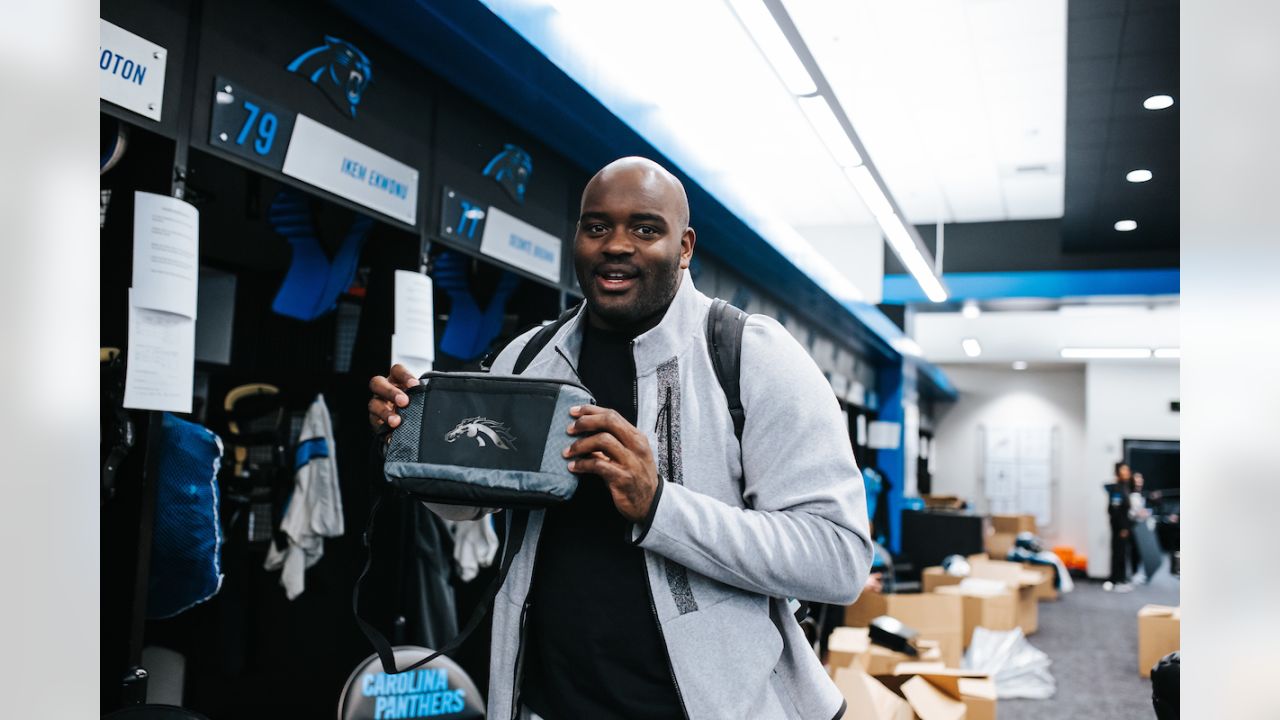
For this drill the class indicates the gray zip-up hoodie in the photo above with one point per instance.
(736, 531)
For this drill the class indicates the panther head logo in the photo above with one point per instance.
(480, 428)
(511, 168)
(338, 68)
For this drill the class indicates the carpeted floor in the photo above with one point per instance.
(1092, 638)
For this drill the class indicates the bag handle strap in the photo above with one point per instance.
(514, 540)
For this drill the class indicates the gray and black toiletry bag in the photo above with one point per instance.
(485, 440)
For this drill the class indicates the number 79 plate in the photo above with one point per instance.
(248, 125)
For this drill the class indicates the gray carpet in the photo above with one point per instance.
(1092, 638)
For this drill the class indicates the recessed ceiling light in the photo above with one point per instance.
(1137, 176)
(971, 347)
(1126, 225)
(1157, 102)
(1019, 364)
(970, 309)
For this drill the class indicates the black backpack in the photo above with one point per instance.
(724, 329)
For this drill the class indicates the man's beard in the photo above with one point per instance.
(655, 289)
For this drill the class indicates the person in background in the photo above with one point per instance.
(1138, 512)
(1121, 530)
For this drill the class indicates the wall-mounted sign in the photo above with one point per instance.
(130, 71)
(339, 69)
(246, 124)
(440, 689)
(511, 169)
(332, 161)
(516, 242)
(461, 217)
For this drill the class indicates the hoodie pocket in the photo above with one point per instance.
(724, 656)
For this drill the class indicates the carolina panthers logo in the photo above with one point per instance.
(481, 428)
(339, 69)
(511, 168)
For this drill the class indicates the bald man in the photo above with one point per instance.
(660, 590)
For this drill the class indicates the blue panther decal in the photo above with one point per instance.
(511, 168)
(338, 68)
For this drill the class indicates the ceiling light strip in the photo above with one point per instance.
(849, 152)
(1084, 353)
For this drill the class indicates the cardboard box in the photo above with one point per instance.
(868, 699)
(893, 697)
(944, 502)
(1013, 524)
(976, 690)
(1047, 589)
(935, 577)
(999, 544)
(1159, 628)
(979, 696)
(994, 607)
(935, 617)
(852, 647)
(1017, 577)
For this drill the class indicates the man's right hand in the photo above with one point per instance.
(389, 396)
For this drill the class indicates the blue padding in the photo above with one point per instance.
(900, 289)
(470, 330)
(313, 283)
(308, 450)
(186, 546)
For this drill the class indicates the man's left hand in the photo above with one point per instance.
(619, 453)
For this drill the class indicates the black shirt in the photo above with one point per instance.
(594, 648)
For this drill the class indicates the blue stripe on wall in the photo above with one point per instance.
(899, 289)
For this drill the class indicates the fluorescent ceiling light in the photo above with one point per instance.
(1126, 225)
(869, 190)
(970, 309)
(1168, 353)
(1138, 176)
(1076, 353)
(1157, 102)
(829, 130)
(904, 246)
(907, 346)
(971, 347)
(775, 47)
(1019, 364)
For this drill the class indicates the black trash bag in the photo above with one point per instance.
(1164, 686)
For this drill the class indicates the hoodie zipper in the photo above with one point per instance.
(653, 605)
(519, 669)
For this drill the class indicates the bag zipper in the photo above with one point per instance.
(503, 378)
(653, 606)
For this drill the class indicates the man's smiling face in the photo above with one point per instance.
(632, 242)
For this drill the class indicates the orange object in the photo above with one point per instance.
(1070, 558)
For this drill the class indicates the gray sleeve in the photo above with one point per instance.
(502, 365)
(806, 533)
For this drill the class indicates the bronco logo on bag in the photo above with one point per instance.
(481, 428)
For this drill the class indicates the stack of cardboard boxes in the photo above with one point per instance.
(881, 684)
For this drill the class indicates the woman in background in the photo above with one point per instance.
(1118, 507)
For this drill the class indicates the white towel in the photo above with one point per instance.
(315, 508)
(474, 545)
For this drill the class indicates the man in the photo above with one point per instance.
(660, 590)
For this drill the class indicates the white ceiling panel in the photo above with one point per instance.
(950, 97)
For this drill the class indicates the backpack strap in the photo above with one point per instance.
(540, 340)
(725, 325)
(511, 547)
